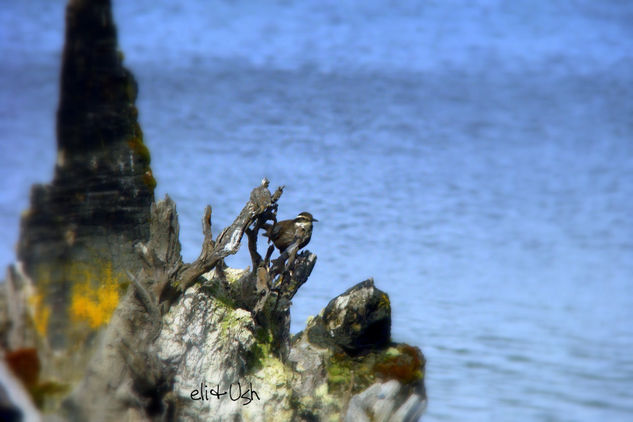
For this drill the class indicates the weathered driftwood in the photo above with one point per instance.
(260, 208)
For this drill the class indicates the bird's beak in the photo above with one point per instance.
(314, 219)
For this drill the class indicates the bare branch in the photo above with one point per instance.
(292, 280)
(256, 258)
(206, 226)
(278, 193)
(258, 208)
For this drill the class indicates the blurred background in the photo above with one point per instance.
(474, 157)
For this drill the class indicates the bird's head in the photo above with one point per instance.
(305, 217)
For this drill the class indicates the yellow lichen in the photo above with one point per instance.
(384, 302)
(41, 313)
(94, 296)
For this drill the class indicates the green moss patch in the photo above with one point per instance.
(345, 373)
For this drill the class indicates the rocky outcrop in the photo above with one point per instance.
(79, 230)
(357, 320)
(103, 321)
(216, 348)
(348, 349)
(219, 349)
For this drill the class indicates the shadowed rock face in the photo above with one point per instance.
(348, 348)
(355, 321)
(99, 200)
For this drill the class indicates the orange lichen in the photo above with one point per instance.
(406, 366)
(94, 296)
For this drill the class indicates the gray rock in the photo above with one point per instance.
(345, 359)
(354, 321)
(309, 363)
(390, 401)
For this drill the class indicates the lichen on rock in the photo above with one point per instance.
(98, 203)
(349, 342)
(122, 329)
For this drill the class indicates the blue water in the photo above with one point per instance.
(475, 158)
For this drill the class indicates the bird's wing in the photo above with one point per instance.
(267, 227)
(274, 233)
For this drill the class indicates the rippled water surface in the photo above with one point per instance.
(475, 158)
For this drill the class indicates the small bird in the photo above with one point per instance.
(285, 233)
